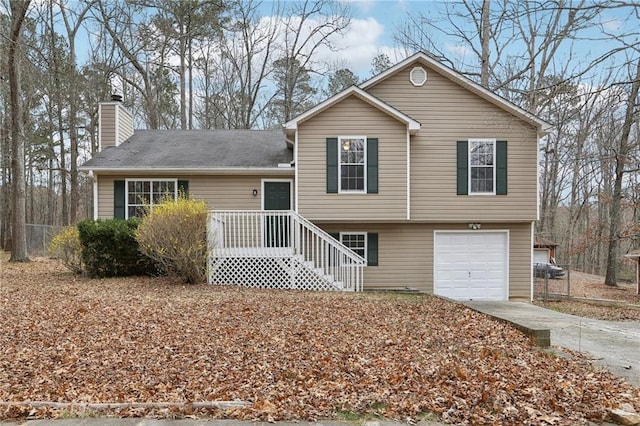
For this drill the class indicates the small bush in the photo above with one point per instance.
(109, 249)
(66, 247)
(174, 234)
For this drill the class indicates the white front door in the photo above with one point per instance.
(471, 265)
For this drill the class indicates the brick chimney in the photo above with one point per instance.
(115, 123)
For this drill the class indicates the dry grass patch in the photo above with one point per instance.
(290, 355)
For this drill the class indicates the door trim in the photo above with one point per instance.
(263, 192)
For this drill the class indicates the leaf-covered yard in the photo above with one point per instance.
(290, 355)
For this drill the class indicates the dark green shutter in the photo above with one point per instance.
(372, 249)
(183, 188)
(463, 167)
(372, 165)
(332, 165)
(119, 199)
(335, 235)
(501, 168)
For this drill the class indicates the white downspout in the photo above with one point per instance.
(408, 175)
(533, 239)
(94, 177)
(295, 165)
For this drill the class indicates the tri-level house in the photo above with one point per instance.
(416, 179)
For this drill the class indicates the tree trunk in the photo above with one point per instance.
(183, 79)
(73, 140)
(18, 196)
(485, 37)
(621, 160)
(5, 192)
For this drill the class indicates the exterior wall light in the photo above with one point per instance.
(255, 192)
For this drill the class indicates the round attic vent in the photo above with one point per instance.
(418, 76)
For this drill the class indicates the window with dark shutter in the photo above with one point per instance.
(332, 165)
(140, 195)
(352, 164)
(119, 201)
(183, 188)
(501, 168)
(364, 244)
(463, 167)
(372, 165)
(481, 167)
(372, 249)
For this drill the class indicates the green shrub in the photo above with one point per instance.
(174, 234)
(66, 247)
(109, 249)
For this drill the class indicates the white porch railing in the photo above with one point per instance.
(278, 249)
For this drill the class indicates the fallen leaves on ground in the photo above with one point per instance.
(581, 284)
(590, 310)
(290, 355)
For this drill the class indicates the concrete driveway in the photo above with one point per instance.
(612, 345)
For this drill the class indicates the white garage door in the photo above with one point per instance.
(471, 265)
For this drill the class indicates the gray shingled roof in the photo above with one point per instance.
(196, 149)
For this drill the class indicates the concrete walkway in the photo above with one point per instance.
(610, 344)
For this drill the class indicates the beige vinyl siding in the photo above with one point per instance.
(448, 113)
(125, 125)
(352, 117)
(107, 125)
(405, 255)
(116, 125)
(219, 192)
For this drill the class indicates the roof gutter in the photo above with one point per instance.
(190, 171)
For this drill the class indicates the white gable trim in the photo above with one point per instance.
(541, 125)
(412, 124)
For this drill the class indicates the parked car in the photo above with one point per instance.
(548, 270)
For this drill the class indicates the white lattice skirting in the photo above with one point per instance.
(286, 272)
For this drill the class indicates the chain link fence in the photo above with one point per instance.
(39, 237)
(551, 281)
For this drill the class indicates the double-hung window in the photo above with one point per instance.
(482, 171)
(143, 194)
(356, 241)
(364, 244)
(482, 167)
(353, 164)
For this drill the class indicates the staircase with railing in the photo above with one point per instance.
(278, 249)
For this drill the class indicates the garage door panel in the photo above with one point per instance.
(471, 265)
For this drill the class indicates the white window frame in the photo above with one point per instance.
(470, 142)
(364, 164)
(364, 234)
(416, 82)
(151, 181)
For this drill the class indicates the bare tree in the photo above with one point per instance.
(18, 198)
(246, 45)
(622, 152)
(124, 24)
(182, 23)
(72, 24)
(309, 26)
